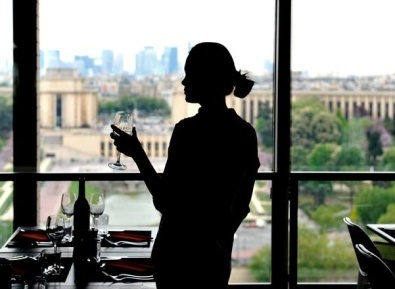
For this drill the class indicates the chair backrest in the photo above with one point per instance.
(378, 273)
(359, 236)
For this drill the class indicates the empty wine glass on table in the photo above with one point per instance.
(55, 229)
(96, 202)
(123, 120)
(67, 206)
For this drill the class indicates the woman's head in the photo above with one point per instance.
(210, 71)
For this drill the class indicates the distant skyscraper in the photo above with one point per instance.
(107, 62)
(53, 59)
(85, 65)
(146, 61)
(170, 60)
(118, 64)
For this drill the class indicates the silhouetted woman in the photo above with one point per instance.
(206, 187)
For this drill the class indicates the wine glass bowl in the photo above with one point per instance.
(96, 202)
(55, 229)
(124, 121)
(67, 206)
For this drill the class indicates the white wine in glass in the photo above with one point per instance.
(124, 121)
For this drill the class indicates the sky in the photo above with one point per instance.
(328, 36)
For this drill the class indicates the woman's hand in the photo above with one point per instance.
(125, 143)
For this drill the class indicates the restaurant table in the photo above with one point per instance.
(385, 231)
(107, 253)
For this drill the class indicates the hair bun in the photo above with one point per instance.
(243, 85)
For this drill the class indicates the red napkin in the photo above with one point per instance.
(139, 266)
(31, 236)
(132, 236)
(26, 268)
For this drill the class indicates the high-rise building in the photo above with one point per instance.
(107, 62)
(84, 65)
(146, 61)
(118, 64)
(170, 60)
(53, 59)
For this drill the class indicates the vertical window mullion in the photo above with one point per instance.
(282, 126)
(25, 125)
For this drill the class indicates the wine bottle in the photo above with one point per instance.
(81, 211)
(81, 229)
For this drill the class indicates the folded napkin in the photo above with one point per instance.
(25, 269)
(37, 235)
(30, 238)
(130, 235)
(136, 266)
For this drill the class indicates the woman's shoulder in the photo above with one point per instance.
(242, 123)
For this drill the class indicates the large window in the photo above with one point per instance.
(342, 121)
(129, 55)
(334, 96)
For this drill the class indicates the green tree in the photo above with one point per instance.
(260, 265)
(389, 216)
(146, 106)
(319, 258)
(355, 132)
(375, 146)
(321, 157)
(264, 126)
(319, 190)
(5, 117)
(301, 132)
(298, 158)
(371, 203)
(325, 218)
(326, 127)
(349, 158)
(388, 160)
(312, 123)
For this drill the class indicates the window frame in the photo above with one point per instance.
(284, 193)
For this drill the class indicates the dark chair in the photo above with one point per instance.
(374, 269)
(359, 236)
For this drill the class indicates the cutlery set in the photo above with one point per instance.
(128, 277)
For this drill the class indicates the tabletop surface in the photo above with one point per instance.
(106, 253)
(385, 231)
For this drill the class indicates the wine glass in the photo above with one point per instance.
(96, 202)
(123, 120)
(67, 206)
(55, 229)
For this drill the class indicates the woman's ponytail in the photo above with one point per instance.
(242, 84)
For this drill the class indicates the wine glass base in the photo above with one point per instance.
(117, 166)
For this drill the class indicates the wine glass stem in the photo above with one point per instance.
(55, 247)
(118, 157)
(68, 232)
(96, 220)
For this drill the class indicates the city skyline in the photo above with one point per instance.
(328, 37)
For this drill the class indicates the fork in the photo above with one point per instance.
(126, 277)
(120, 243)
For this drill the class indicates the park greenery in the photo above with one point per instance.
(326, 141)
(320, 258)
(146, 106)
(5, 119)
